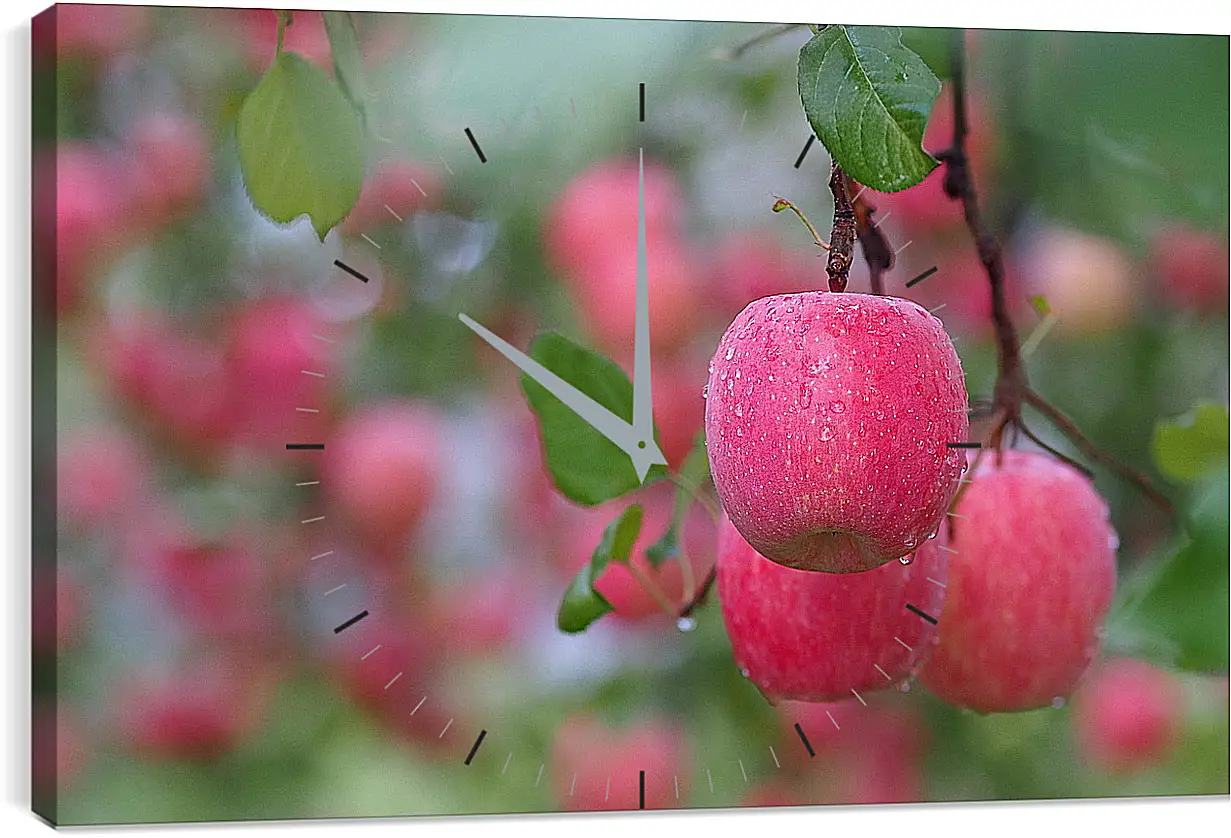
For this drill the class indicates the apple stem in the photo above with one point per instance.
(842, 239)
(1012, 389)
(762, 36)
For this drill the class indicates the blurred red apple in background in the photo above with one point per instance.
(1192, 268)
(1127, 715)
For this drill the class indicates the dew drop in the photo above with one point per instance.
(907, 559)
(1058, 702)
(837, 407)
(730, 352)
(826, 434)
(805, 396)
(688, 624)
(744, 672)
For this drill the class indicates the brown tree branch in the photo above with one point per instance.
(842, 239)
(1067, 427)
(872, 241)
(1012, 388)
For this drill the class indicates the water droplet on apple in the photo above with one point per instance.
(907, 559)
(1058, 702)
(837, 407)
(826, 433)
(730, 352)
(688, 624)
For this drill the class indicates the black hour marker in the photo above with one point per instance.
(922, 614)
(641, 98)
(477, 743)
(305, 446)
(350, 270)
(350, 622)
(963, 444)
(642, 804)
(922, 276)
(811, 139)
(475, 143)
(804, 739)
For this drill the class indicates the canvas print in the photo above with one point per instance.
(456, 414)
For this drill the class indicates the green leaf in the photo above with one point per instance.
(586, 467)
(1181, 617)
(582, 605)
(300, 148)
(1187, 447)
(693, 474)
(868, 99)
(1040, 305)
(347, 60)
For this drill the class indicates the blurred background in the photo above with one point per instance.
(189, 669)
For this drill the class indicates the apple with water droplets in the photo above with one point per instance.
(1031, 580)
(829, 421)
(820, 636)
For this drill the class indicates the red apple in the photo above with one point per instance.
(382, 468)
(1087, 280)
(812, 636)
(1031, 579)
(170, 166)
(100, 473)
(395, 186)
(1127, 715)
(827, 421)
(1192, 267)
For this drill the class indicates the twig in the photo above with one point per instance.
(702, 593)
(651, 588)
(1066, 426)
(781, 204)
(762, 36)
(873, 243)
(842, 239)
(1012, 389)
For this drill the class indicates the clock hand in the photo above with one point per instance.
(643, 408)
(642, 450)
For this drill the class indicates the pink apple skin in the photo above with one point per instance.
(100, 472)
(1030, 583)
(170, 167)
(382, 469)
(827, 419)
(749, 266)
(1087, 280)
(812, 636)
(593, 753)
(1127, 715)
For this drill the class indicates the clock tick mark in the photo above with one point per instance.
(507, 760)
(742, 771)
(877, 666)
(323, 556)
(417, 706)
(710, 778)
(947, 549)
(448, 725)
(350, 622)
(370, 651)
(858, 696)
(863, 189)
(305, 446)
(878, 221)
(369, 240)
(641, 101)
(940, 307)
(394, 214)
(909, 649)
(641, 792)
(539, 779)
(676, 779)
(475, 749)
(307, 410)
(573, 786)
(322, 338)
(309, 483)
(955, 515)
(808, 145)
(393, 680)
(921, 613)
(972, 445)
(803, 737)
(832, 719)
(475, 143)
(912, 283)
(934, 582)
(334, 590)
(351, 270)
(903, 247)
(774, 754)
(313, 520)
(313, 373)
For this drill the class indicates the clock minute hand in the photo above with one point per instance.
(643, 409)
(600, 418)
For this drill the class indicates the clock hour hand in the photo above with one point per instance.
(642, 450)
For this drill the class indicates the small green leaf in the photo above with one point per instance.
(586, 467)
(693, 474)
(1041, 305)
(582, 605)
(868, 99)
(1187, 447)
(1181, 617)
(300, 147)
(347, 60)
